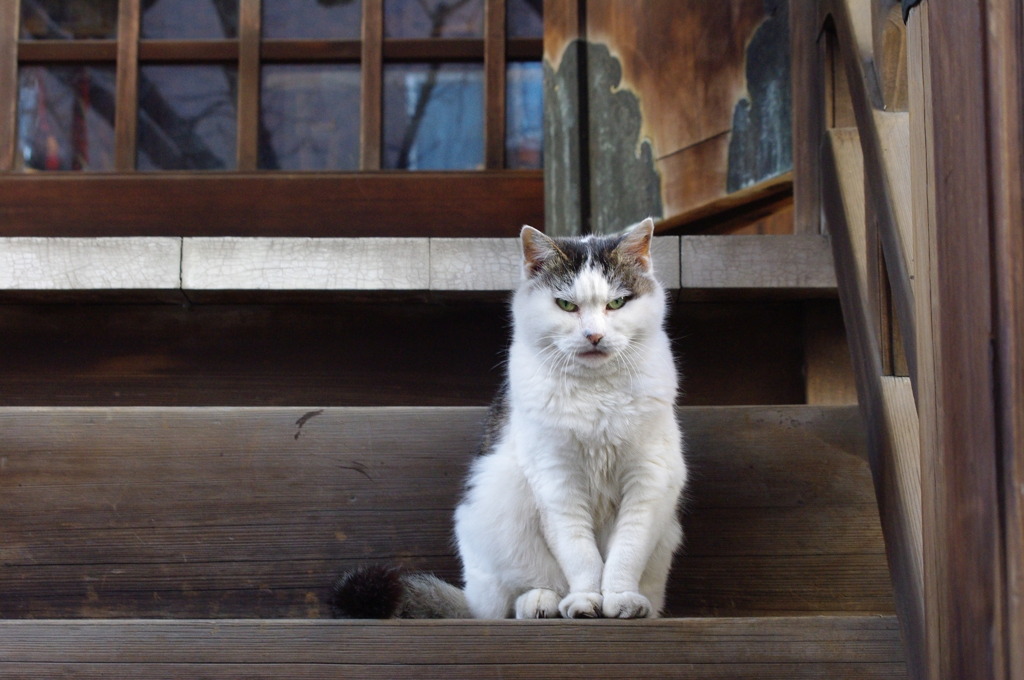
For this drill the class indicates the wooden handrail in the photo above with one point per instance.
(858, 160)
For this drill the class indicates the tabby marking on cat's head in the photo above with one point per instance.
(588, 299)
(625, 257)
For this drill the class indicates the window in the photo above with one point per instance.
(125, 93)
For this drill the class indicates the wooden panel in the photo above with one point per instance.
(9, 24)
(129, 15)
(829, 372)
(350, 351)
(717, 33)
(177, 204)
(642, 135)
(846, 647)
(248, 512)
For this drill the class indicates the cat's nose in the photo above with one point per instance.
(594, 338)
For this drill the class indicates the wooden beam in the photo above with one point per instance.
(129, 17)
(248, 116)
(1005, 54)
(964, 539)
(9, 25)
(854, 648)
(808, 112)
(494, 84)
(272, 204)
(372, 97)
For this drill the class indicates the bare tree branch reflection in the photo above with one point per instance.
(439, 16)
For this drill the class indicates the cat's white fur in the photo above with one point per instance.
(573, 512)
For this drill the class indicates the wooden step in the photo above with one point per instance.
(848, 647)
(249, 512)
(171, 269)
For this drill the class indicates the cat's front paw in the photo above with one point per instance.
(581, 605)
(539, 603)
(626, 605)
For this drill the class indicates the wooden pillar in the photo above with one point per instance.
(965, 104)
(808, 75)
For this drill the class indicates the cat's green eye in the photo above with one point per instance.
(618, 302)
(566, 305)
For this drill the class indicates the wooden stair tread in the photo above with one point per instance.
(248, 512)
(167, 269)
(776, 647)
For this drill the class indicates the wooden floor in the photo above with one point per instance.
(832, 648)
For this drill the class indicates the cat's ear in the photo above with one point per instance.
(635, 245)
(538, 249)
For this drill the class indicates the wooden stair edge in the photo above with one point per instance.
(174, 269)
(766, 647)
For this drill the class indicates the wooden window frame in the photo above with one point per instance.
(247, 201)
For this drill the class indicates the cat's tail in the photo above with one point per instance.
(389, 592)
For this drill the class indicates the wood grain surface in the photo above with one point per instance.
(227, 512)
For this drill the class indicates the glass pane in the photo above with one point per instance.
(335, 19)
(525, 18)
(66, 117)
(309, 117)
(524, 115)
(187, 117)
(68, 19)
(190, 19)
(433, 18)
(433, 116)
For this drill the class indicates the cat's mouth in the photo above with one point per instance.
(594, 354)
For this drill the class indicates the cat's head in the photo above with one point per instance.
(585, 301)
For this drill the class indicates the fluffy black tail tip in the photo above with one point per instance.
(370, 592)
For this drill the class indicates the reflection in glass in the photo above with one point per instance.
(68, 19)
(189, 19)
(334, 19)
(524, 115)
(433, 116)
(433, 18)
(66, 118)
(309, 117)
(187, 117)
(525, 18)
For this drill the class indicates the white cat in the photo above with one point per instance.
(571, 508)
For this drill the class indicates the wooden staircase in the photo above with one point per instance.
(199, 433)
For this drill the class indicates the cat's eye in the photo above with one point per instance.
(618, 302)
(566, 305)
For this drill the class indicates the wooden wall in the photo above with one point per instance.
(674, 108)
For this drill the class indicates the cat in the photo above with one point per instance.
(570, 509)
